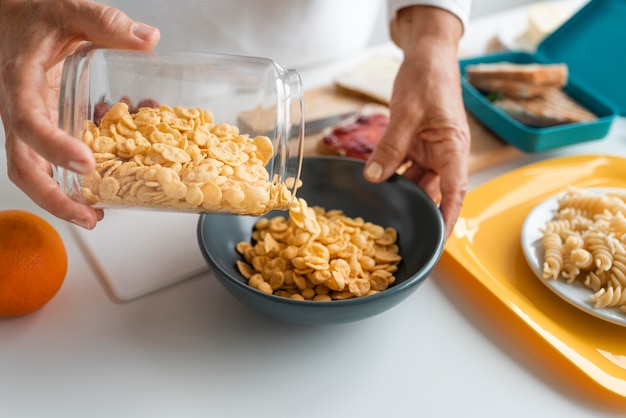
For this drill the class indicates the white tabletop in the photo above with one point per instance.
(191, 350)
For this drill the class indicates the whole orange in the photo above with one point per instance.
(33, 262)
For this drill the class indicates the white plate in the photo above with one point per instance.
(575, 293)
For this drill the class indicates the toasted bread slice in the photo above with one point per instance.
(553, 75)
(554, 107)
(510, 88)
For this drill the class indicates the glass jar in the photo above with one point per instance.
(183, 131)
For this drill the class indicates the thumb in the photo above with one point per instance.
(113, 28)
(389, 154)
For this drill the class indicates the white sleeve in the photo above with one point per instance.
(460, 8)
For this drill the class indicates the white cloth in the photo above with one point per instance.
(294, 33)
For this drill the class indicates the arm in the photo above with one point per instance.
(428, 126)
(35, 37)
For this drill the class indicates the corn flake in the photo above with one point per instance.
(192, 163)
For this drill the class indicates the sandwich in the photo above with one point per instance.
(530, 93)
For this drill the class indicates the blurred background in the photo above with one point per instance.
(484, 7)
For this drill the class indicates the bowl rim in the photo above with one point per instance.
(411, 281)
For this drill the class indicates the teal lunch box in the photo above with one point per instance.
(592, 44)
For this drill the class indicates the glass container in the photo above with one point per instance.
(183, 131)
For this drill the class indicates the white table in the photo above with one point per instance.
(191, 350)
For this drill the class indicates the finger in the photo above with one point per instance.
(36, 126)
(112, 27)
(453, 184)
(45, 192)
(31, 174)
(389, 153)
(428, 180)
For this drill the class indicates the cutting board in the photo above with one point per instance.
(136, 252)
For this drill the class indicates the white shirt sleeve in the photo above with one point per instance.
(460, 8)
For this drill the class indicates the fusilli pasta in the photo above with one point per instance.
(586, 241)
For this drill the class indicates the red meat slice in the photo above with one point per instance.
(357, 139)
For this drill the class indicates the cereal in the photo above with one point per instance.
(178, 158)
(319, 255)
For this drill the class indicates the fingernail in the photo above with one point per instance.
(374, 171)
(78, 167)
(81, 222)
(142, 31)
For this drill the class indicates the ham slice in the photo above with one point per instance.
(358, 136)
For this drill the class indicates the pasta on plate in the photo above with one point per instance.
(585, 241)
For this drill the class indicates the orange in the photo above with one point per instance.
(33, 262)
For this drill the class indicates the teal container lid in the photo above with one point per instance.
(593, 45)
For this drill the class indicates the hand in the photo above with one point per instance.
(428, 126)
(35, 38)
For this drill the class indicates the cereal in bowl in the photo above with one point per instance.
(320, 255)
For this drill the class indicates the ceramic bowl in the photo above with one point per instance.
(336, 183)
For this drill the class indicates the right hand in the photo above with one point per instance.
(427, 125)
(35, 38)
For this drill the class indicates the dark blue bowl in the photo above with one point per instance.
(336, 183)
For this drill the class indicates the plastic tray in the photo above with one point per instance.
(486, 244)
(597, 78)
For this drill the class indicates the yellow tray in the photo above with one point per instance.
(486, 246)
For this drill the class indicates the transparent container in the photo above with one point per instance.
(183, 131)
